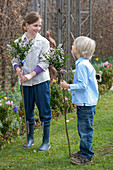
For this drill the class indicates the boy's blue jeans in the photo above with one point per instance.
(85, 115)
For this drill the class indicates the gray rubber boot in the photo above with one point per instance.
(45, 145)
(30, 136)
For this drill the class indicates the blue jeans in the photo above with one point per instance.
(39, 94)
(85, 116)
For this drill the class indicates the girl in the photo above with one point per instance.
(35, 79)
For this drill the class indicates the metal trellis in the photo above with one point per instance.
(71, 17)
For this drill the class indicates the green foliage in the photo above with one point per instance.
(4, 125)
(10, 122)
(57, 100)
(107, 80)
(3, 113)
(106, 72)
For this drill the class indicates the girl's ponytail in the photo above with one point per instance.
(24, 26)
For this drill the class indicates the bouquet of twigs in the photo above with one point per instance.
(19, 49)
(56, 57)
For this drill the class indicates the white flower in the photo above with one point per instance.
(59, 46)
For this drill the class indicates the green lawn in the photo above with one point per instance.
(14, 157)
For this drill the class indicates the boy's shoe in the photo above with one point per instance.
(76, 154)
(80, 160)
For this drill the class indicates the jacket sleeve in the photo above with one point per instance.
(81, 79)
(43, 63)
(15, 61)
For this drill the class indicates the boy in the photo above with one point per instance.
(84, 95)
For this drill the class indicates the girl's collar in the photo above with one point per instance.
(38, 37)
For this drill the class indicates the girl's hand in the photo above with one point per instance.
(19, 72)
(28, 77)
(64, 85)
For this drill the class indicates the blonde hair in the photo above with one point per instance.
(30, 18)
(86, 46)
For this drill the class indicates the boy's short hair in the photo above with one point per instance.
(86, 46)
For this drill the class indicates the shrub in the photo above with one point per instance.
(57, 100)
(3, 113)
(10, 122)
(106, 70)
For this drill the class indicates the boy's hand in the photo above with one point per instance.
(19, 72)
(64, 85)
(28, 77)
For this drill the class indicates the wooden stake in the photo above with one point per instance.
(66, 124)
(24, 115)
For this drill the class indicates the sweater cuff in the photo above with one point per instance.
(38, 69)
(15, 66)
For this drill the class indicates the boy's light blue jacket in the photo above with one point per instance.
(85, 87)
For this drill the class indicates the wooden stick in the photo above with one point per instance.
(24, 115)
(66, 124)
